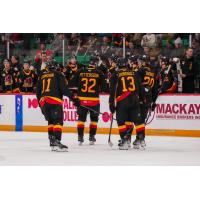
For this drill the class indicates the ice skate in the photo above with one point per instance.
(58, 146)
(129, 142)
(92, 140)
(119, 143)
(80, 140)
(124, 145)
(142, 144)
(139, 144)
(51, 140)
(136, 144)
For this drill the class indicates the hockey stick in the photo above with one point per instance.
(95, 111)
(109, 138)
(149, 115)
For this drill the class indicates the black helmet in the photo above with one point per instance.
(121, 62)
(164, 59)
(51, 64)
(144, 58)
(133, 58)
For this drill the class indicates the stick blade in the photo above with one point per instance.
(110, 143)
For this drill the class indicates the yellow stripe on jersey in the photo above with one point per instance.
(89, 98)
(54, 98)
(129, 123)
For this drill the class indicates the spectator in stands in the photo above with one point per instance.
(105, 47)
(189, 69)
(73, 40)
(29, 41)
(117, 39)
(45, 37)
(146, 50)
(196, 54)
(196, 49)
(42, 56)
(178, 51)
(131, 48)
(137, 39)
(15, 63)
(40, 62)
(2, 47)
(57, 44)
(166, 51)
(149, 40)
(92, 44)
(17, 39)
(43, 49)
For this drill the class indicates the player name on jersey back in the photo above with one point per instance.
(94, 75)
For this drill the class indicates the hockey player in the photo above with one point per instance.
(90, 82)
(113, 65)
(27, 78)
(51, 86)
(133, 62)
(126, 93)
(9, 79)
(147, 76)
(168, 79)
(71, 69)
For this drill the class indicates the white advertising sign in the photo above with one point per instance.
(32, 114)
(7, 109)
(178, 112)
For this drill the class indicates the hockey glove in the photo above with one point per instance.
(112, 107)
(76, 102)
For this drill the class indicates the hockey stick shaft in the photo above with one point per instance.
(94, 110)
(110, 130)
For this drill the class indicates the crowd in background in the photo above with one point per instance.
(31, 51)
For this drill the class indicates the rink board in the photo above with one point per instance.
(175, 115)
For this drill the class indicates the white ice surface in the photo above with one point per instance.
(27, 148)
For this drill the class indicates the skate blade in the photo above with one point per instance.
(142, 147)
(136, 147)
(139, 147)
(80, 143)
(91, 143)
(57, 149)
(125, 148)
